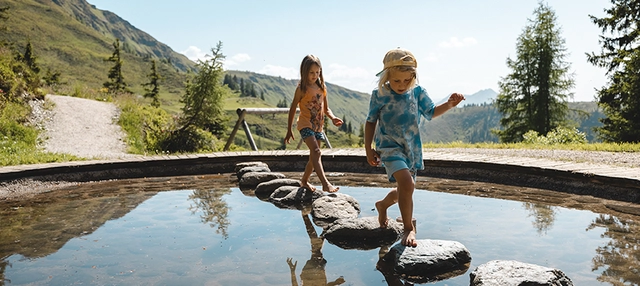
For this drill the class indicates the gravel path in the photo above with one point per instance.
(83, 127)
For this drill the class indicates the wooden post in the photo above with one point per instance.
(247, 131)
(241, 114)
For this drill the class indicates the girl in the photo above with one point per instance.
(394, 115)
(311, 98)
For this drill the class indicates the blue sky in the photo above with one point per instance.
(461, 45)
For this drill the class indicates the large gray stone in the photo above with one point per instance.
(334, 206)
(245, 170)
(249, 164)
(265, 189)
(292, 197)
(511, 272)
(431, 260)
(252, 179)
(362, 233)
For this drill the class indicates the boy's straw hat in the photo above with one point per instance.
(398, 57)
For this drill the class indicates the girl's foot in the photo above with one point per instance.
(308, 187)
(330, 188)
(382, 214)
(409, 238)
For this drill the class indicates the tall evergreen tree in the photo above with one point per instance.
(152, 87)
(534, 96)
(620, 54)
(29, 58)
(116, 83)
(204, 93)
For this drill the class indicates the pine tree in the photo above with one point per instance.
(534, 96)
(204, 93)
(116, 83)
(152, 87)
(620, 54)
(29, 58)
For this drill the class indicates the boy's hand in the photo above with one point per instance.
(454, 99)
(373, 158)
(337, 121)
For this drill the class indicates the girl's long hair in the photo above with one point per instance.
(305, 67)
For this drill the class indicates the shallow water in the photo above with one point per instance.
(223, 236)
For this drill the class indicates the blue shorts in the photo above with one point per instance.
(306, 132)
(396, 165)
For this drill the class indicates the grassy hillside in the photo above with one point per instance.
(74, 38)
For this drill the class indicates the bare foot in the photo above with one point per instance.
(409, 238)
(382, 214)
(329, 188)
(308, 187)
(413, 221)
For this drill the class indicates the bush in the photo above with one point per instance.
(189, 140)
(560, 135)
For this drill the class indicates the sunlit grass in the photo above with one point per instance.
(607, 147)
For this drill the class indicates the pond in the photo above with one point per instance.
(212, 235)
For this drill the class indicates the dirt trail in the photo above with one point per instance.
(84, 127)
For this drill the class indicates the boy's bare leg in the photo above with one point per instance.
(308, 169)
(382, 206)
(406, 186)
(314, 156)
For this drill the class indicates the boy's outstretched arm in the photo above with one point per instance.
(453, 101)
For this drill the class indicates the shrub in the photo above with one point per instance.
(560, 135)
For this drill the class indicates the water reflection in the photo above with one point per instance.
(543, 215)
(619, 257)
(147, 233)
(214, 208)
(313, 272)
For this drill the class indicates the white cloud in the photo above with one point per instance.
(194, 53)
(355, 78)
(285, 72)
(236, 59)
(454, 42)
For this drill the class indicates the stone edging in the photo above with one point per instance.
(614, 188)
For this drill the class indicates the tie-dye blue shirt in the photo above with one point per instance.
(397, 134)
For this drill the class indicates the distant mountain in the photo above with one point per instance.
(73, 37)
(473, 123)
(485, 96)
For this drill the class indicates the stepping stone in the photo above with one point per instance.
(511, 272)
(334, 206)
(249, 164)
(252, 179)
(362, 233)
(245, 170)
(430, 261)
(265, 189)
(292, 197)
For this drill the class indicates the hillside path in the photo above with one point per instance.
(84, 127)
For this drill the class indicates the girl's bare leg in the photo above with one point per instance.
(406, 186)
(307, 174)
(382, 206)
(315, 158)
